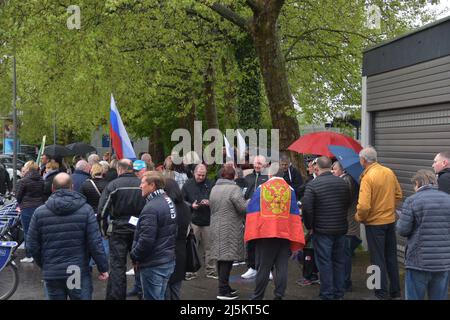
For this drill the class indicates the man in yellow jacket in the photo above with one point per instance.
(379, 194)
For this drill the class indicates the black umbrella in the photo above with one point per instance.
(81, 148)
(57, 150)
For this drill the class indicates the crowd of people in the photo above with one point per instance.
(105, 212)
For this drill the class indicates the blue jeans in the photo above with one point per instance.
(105, 243)
(137, 282)
(351, 243)
(154, 280)
(330, 260)
(418, 283)
(58, 290)
(25, 217)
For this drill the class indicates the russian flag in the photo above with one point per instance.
(119, 137)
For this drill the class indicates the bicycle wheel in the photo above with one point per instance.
(9, 280)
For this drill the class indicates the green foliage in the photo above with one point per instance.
(152, 55)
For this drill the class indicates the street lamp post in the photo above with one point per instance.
(14, 125)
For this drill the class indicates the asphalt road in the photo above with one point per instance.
(202, 288)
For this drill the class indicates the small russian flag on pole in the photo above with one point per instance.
(119, 137)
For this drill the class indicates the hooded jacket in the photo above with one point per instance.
(63, 233)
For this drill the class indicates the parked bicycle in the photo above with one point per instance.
(11, 237)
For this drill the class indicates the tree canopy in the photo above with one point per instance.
(169, 62)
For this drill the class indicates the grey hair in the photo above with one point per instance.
(81, 165)
(369, 153)
(93, 158)
(424, 177)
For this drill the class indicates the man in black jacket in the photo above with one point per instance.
(325, 206)
(63, 234)
(153, 250)
(121, 198)
(196, 194)
(441, 166)
(252, 182)
(290, 174)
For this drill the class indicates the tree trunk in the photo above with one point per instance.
(210, 110)
(273, 69)
(156, 147)
(249, 89)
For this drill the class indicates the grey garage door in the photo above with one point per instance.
(408, 139)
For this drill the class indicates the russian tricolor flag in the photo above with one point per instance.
(119, 137)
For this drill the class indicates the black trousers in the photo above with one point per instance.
(382, 243)
(271, 252)
(309, 265)
(224, 270)
(119, 248)
(251, 254)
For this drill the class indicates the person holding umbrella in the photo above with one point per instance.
(353, 237)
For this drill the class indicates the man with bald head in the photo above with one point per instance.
(64, 233)
(196, 193)
(121, 198)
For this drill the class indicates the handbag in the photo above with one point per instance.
(192, 257)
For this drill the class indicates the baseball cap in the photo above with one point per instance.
(138, 165)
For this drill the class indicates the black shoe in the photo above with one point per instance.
(228, 296)
(233, 291)
(277, 298)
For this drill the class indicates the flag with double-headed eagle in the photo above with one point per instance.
(273, 213)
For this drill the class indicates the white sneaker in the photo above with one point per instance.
(26, 260)
(251, 273)
(130, 272)
(270, 276)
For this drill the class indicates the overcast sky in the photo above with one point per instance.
(444, 5)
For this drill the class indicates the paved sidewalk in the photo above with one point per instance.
(202, 288)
